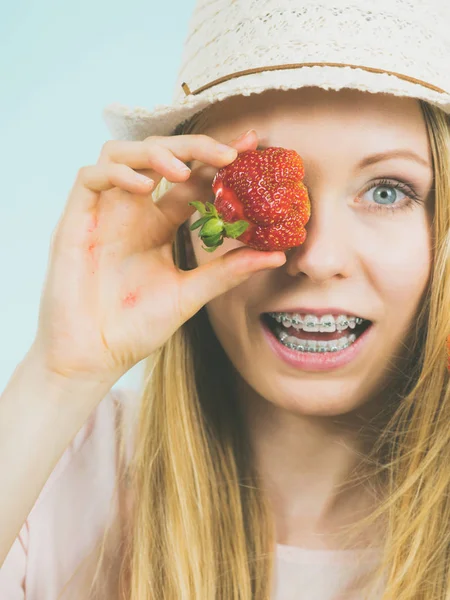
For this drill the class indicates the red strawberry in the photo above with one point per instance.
(260, 200)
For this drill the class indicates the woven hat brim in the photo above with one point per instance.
(137, 123)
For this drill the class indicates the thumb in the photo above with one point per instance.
(224, 273)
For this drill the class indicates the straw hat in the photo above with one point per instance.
(399, 47)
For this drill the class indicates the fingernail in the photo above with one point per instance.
(178, 164)
(244, 135)
(144, 179)
(279, 262)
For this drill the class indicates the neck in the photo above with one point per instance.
(305, 462)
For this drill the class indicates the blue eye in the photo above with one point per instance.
(387, 194)
(386, 197)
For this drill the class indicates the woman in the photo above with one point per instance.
(255, 469)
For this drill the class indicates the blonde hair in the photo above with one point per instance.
(200, 527)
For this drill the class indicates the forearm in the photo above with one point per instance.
(40, 413)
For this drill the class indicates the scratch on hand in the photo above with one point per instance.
(94, 224)
(91, 249)
(130, 299)
(91, 228)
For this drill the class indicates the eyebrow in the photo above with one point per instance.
(380, 156)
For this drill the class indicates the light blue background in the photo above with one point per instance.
(60, 64)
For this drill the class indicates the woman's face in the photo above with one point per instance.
(367, 251)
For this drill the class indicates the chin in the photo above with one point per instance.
(311, 394)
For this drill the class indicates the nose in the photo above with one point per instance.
(327, 251)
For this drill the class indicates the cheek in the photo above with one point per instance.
(401, 262)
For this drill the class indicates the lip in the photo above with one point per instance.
(319, 312)
(326, 361)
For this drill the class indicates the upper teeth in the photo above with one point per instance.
(325, 324)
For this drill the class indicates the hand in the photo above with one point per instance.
(113, 294)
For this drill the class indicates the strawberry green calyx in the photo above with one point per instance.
(213, 228)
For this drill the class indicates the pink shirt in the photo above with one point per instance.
(72, 510)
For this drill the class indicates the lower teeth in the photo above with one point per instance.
(315, 346)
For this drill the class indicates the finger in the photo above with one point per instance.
(222, 274)
(93, 179)
(166, 156)
(246, 141)
(174, 204)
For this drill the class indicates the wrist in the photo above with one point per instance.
(76, 391)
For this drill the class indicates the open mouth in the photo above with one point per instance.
(306, 341)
